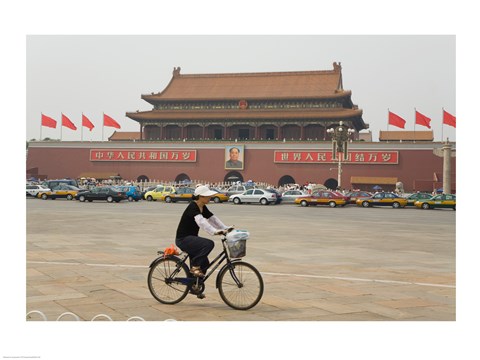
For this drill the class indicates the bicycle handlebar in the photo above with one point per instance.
(226, 231)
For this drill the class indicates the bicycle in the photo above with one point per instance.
(239, 283)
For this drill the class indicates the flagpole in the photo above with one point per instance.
(41, 125)
(103, 124)
(443, 114)
(414, 123)
(388, 121)
(61, 125)
(81, 133)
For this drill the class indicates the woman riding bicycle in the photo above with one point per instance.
(195, 217)
(239, 283)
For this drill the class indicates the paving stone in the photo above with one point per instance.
(406, 303)
(355, 275)
(336, 308)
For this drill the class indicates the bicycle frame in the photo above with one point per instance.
(214, 264)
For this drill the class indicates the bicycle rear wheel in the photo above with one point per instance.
(240, 285)
(167, 281)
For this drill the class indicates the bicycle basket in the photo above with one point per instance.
(237, 243)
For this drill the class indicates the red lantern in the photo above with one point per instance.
(242, 104)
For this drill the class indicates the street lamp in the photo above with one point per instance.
(340, 135)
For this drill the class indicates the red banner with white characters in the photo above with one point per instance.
(319, 157)
(143, 155)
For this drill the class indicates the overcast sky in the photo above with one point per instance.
(108, 74)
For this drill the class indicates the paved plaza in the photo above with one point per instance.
(318, 263)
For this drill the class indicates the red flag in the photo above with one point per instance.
(449, 119)
(396, 120)
(48, 121)
(108, 121)
(421, 119)
(67, 123)
(87, 123)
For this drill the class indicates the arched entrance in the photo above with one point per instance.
(331, 184)
(182, 178)
(286, 179)
(142, 178)
(233, 176)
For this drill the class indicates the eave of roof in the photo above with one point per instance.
(406, 135)
(125, 135)
(154, 99)
(192, 115)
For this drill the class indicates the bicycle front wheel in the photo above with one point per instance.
(167, 281)
(240, 285)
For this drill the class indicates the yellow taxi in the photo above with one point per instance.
(219, 197)
(61, 191)
(445, 201)
(159, 192)
(383, 199)
(179, 194)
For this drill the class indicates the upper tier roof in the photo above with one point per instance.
(267, 85)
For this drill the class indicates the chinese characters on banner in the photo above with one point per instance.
(143, 155)
(354, 157)
(316, 157)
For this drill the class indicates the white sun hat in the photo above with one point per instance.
(203, 190)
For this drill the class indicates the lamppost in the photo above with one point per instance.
(340, 136)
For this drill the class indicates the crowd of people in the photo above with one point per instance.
(308, 187)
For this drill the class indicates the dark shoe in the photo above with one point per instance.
(196, 271)
(201, 296)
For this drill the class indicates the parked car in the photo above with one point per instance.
(412, 198)
(150, 188)
(238, 189)
(33, 190)
(107, 193)
(442, 201)
(355, 195)
(180, 194)
(220, 196)
(344, 196)
(61, 191)
(261, 196)
(133, 192)
(323, 197)
(158, 192)
(289, 196)
(383, 199)
(52, 184)
(277, 193)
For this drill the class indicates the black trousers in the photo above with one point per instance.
(198, 248)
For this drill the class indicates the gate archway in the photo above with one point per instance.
(331, 184)
(233, 176)
(143, 178)
(182, 178)
(286, 179)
